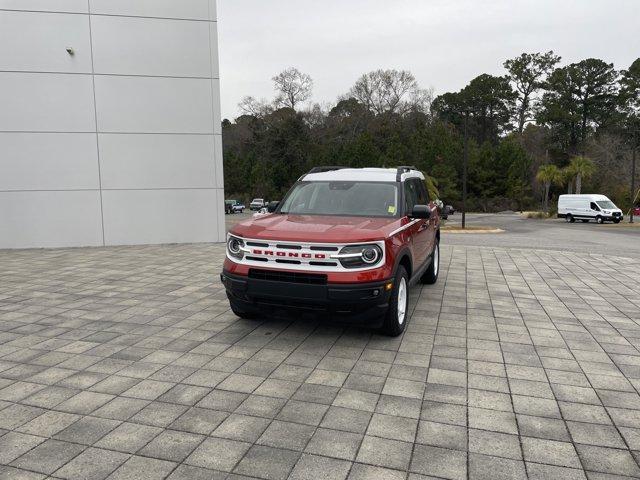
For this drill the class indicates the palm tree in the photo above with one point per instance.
(568, 176)
(547, 175)
(582, 167)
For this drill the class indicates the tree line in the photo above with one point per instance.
(539, 130)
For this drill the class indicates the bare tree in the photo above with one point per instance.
(293, 87)
(251, 106)
(390, 91)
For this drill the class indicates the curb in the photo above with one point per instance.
(466, 232)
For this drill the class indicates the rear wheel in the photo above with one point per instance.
(569, 218)
(599, 219)
(431, 275)
(396, 316)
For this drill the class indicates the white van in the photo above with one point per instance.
(588, 207)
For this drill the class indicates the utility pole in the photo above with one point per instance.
(633, 173)
(465, 162)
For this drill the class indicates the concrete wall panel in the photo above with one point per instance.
(160, 216)
(46, 102)
(50, 219)
(131, 46)
(187, 9)
(157, 161)
(48, 161)
(71, 6)
(126, 130)
(153, 105)
(43, 42)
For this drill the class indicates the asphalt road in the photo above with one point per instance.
(554, 234)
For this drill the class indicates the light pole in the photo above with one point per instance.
(633, 174)
(465, 161)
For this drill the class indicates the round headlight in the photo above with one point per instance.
(370, 255)
(234, 244)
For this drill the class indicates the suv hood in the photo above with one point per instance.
(316, 228)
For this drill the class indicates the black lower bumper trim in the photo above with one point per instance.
(358, 303)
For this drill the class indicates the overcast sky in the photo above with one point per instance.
(445, 43)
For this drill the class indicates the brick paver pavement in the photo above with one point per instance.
(127, 363)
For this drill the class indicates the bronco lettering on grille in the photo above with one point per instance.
(271, 253)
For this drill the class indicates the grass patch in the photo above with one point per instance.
(536, 215)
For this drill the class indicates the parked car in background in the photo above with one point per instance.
(345, 243)
(233, 206)
(636, 211)
(258, 203)
(588, 207)
(445, 210)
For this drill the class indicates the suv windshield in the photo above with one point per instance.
(606, 204)
(369, 199)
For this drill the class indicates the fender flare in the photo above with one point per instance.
(404, 252)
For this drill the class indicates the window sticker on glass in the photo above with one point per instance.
(391, 209)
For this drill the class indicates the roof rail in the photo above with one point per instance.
(322, 169)
(403, 169)
(325, 169)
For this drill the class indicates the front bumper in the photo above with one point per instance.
(355, 303)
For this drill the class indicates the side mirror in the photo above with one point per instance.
(272, 206)
(421, 211)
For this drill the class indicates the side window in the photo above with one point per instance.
(423, 195)
(594, 206)
(410, 196)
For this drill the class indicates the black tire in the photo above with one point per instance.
(393, 325)
(585, 220)
(569, 218)
(430, 276)
(617, 220)
(240, 312)
(599, 219)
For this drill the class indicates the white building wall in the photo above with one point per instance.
(119, 143)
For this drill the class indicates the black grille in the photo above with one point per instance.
(291, 262)
(291, 277)
(258, 259)
(257, 244)
(318, 248)
(616, 214)
(289, 247)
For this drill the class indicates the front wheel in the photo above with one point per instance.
(430, 276)
(599, 219)
(240, 312)
(617, 220)
(396, 317)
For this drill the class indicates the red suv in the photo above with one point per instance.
(344, 242)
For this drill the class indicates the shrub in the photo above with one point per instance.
(536, 215)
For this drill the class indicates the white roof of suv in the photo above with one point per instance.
(362, 175)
